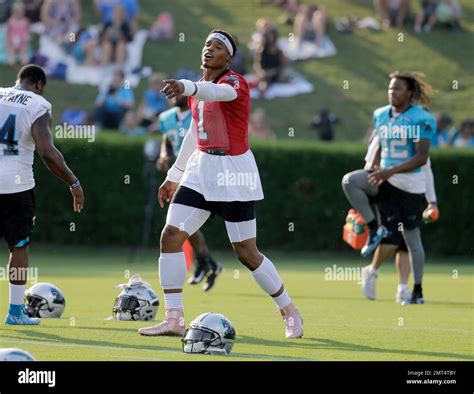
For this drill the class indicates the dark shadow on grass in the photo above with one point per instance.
(452, 45)
(322, 343)
(39, 336)
(360, 298)
(350, 347)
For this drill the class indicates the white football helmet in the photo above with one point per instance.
(44, 300)
(209, 333)
(12, 354)
(137, 301)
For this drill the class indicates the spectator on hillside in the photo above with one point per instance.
(426, 16)
(441, 139)
(114, 38)
(84, 49)
(33, 10)
(269, 62)
(289, 5)
(129, 125)
(392, 12)
(5, 10)
(262, 25)
(61, 18)
(153, 103)
(464, 138)
(239, 61)
(113, 103)
(449, 13)
(259, 127)
(446, 12)
(325, 122)
(310, 24)
(18, 35)
(105, 10)
(163, 28)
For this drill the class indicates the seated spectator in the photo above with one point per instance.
(290, 9)
(325, 122)
(259, 127)
(163, 27)
(426, 17)
(61, 18)
(18, 35)
(105, 10)
(269, 61)
(464, 138)
(33, 10)
(153, 103)
(392, 12)
(5, 10)
(114, 38)
(310, 24)
(261, 27)
(129, 125)
(113, 103)
(449, 13)
(84, 49)
(441, 139)
(239, 63)
(289, 5)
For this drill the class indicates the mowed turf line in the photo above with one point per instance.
(339, 323)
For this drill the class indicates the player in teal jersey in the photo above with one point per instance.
(404, 129)
(174, 124)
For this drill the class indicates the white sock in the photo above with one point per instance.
(283, 300)
(172, 269)
(267, 277)
(402, 286)
(174, 300)
(372, 270)
(17, 294)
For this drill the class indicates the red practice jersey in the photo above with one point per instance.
(224, 124)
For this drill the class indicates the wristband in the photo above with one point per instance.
(190, 87)
(75, 185)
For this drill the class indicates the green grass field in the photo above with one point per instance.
(339, 323)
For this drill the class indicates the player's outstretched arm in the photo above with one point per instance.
(54, 160)
(203, 91)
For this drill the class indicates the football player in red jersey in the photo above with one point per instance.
(215, 174)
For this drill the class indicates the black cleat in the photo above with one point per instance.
(211, 277)
(416, 298)
(201, 271)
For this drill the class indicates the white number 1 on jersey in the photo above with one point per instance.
(202, 133)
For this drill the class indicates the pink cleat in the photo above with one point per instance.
(172, 326)
(293, 321)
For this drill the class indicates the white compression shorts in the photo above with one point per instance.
(190, 220)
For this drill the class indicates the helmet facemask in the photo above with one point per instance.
(44, 300)
(137, 301)
(201, 340)
(209, 333)
(34, 304)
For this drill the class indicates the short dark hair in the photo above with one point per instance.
(32, 74)
(229, 37)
